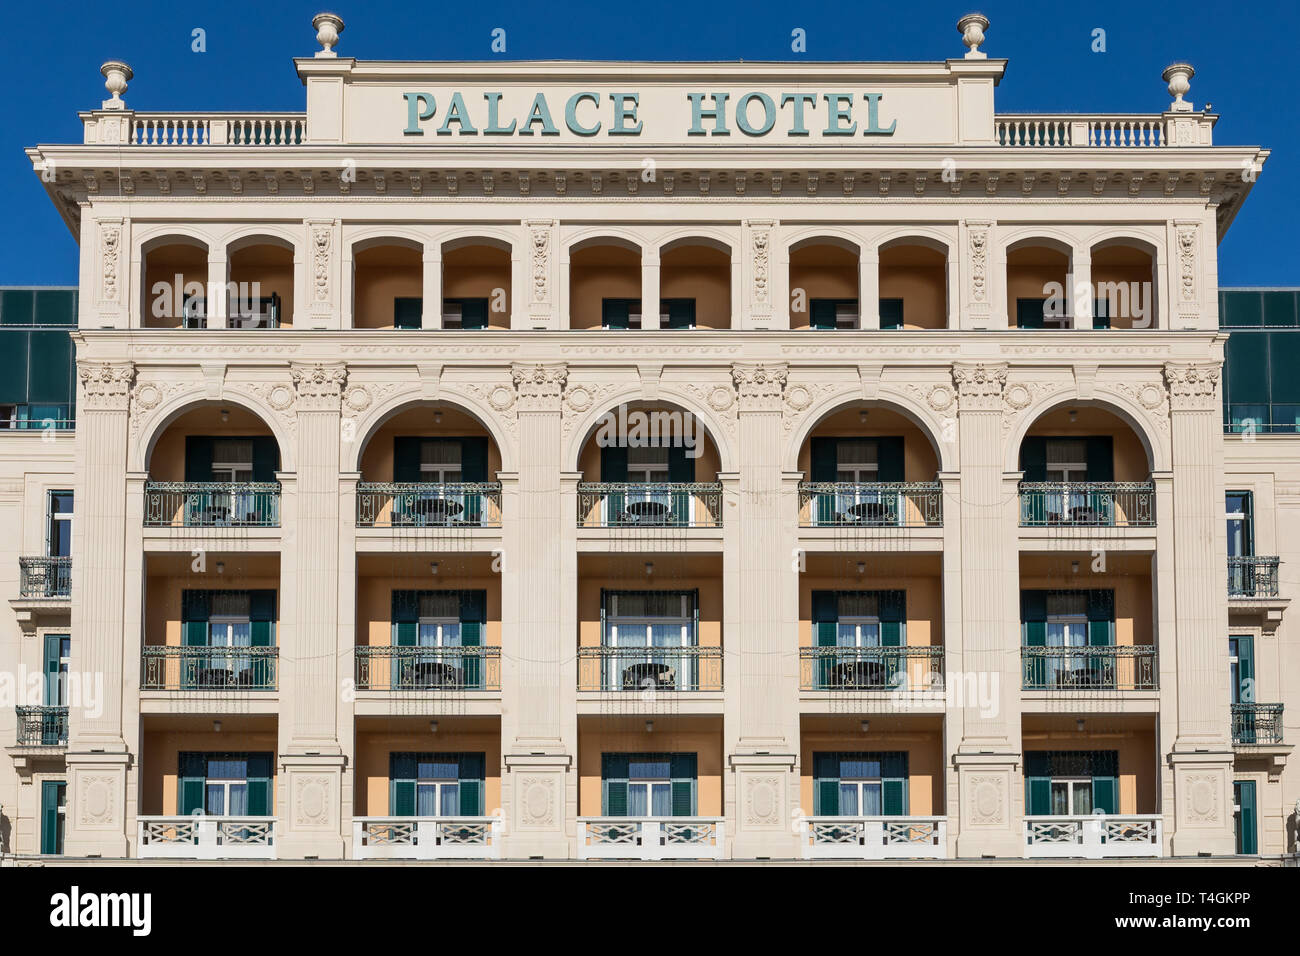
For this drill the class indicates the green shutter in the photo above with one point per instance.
(893, 784)
(51, 837)
(1038, 783)
(822, 313)
(259, 784)
(681, 470)
(1033, 458)
(51, 356)
(194, 618)
(406, 458)
(613, 468)
(824, 467)
(825, 625)
(266, 458)
(681, 313)
(261, 619)
(1104, 767)
(471, 779)
(405, 618)
(408, 312)
(1101, 617)
(893, 622)
(53, 645)
(613, 785)
(614, 313)
(198, 458)
(401, 784)
(473, 621)
(826, 784)
(473, 468)
(682, 769)
(1101, 458)
(891, 313)
(473, 313)
(193, 774)
(889, 459)
(1033, 618)
(1029, 313)
(1244, 692)
(1247, 832)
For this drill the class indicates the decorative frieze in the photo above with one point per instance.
(319, 387)
(105, 386)
(1192, 386)
(759, 387)
(539, 387)
(979, 386)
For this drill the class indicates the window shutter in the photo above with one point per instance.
(198, 458)
(473, 619)
(1033, 458)
(613, 785)
(53, 644)
(891, 313)
(408, 312)
(401, 784)
(1247, 835)
(194, 617)
(473, 313)
(189, 791)
(614, 313)
(893, 784)
(1038, 783)
(406, 618)
(406, 458)
(681, 313)
(682, 770)
(1101, 313)
(1033, 615)
(473, 468)
(889, 459)
(266, 457)
(1029, 313)
(825, 625)
(822, 313)
(1101, 617)
(681, 470)
(1245, 689)
(1101, 458)
(826, 784)
(259, 785)
(893, 620)
(50, 792)
(1104, 765)
(471, 779)
(613, 467)
(824, 466)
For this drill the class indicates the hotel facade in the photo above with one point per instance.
(645, 461)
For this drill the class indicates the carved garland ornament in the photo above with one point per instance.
(761, 244)
(541, 263)
(105, 385)
(979, 241)
(1187, 262)
(111, 238)
(320, 240)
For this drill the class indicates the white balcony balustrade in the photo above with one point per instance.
(200, 837)
(1096, 837)
(427, 838)
(667, 838)
(874, 838)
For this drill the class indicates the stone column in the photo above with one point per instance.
(432, 286)
(869, 288)
(649, 288)
(311, 761)
(215, 302)
(1081, 292)
(988, 755)
(1202, 756)
(762, 720)
(98, 755)
(538, 732)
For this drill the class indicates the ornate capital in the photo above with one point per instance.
(105, 385)
(319, 386)
(759, 387)
(979, 386)
(1192, 387)
(539, 387)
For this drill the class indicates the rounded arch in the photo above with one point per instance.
(1131, 412)
(384, 236)
(681, 238)
(394, 405)
(916, 236)
(1114, 240)
(603, 236)
(464, 238)
(898, 402)
(1038, 236)
(259, 235)
(590, 420)
(170, 410)
(823, 235)
(171, 235)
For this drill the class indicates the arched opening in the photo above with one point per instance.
(175, 288)
(824, 290)
(388, 285)
(260, 286)
(605, 285)
(913, 286)
(1124, 283)
(695, 285)
(476, 285)
(431, 465)
(1038, 285)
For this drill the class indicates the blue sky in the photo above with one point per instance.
(54, 51)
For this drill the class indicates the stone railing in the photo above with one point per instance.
(201, 837)
(427, 838)
(874, 838)
(1032, 130)
(666, 838)
(218, 129)
(1096, 837)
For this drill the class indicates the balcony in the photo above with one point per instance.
(876, 504)
(212, 504)
(1034, 130)
(1095, 837)
(385, 667)
(1252, 576)
(875, 838)
(1114, 668)
(201, 837)
(628, 669)
(870, 668)
(1087, 504)
(42, 726)
(429, 504)
(1254, 724)
(427, 838)
(209, 668)
(213, 129)
(45, 578)
(666, 838)
(625, 504)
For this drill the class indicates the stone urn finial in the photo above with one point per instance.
(116, 76)
(328, 27)
(1179, 76)
(972, 27)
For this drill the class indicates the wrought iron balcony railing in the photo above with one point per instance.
(870, 668)
(201, 837)
(872, 504)
(1097, 837)
(208, 668)
(1088, 504)
(666, 838)
(429, 504)
(875, 838)
(1256, 723)
(649, 669)
(385, 667)
(42, 726)
(427, 838)
(212, 504)
(1113, 667)
(1252, 576)
(43, 577)
(630, 504)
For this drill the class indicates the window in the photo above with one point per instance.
(676, 313)
(1043, 313)
(54, 810)
(223, 622)
(833, 313)
(59, 532)
(441, 628)
(855, 627)
(260, 313)
(232, 459)
(194, 312)
(1071, 783)
(408, 312)
(437, 788)
(436, 784)
(647, 464)
(859, 620)
(1083, 619)
(649, 788)
(225, 784)
(648, 784)
(1244, 816)
(439, 619)
(860, 784)
(1241, 524)
(226, 789)
(891, 313)
(1241, 668)
(1072, 796)
(464, 313)
(58, 658)
(440, 461)
(620, 313)
(649, 625)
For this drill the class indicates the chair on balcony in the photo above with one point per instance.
(649, 676)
